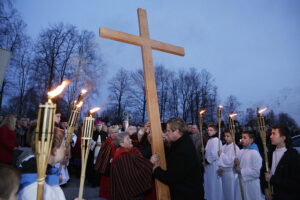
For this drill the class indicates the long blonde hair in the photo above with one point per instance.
(10, 121)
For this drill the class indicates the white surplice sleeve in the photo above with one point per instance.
(211, 150)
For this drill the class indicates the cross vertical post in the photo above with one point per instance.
(147, 45)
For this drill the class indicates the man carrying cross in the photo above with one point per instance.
(147, 45)
(183, 176)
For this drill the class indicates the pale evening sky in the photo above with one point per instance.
(250, 47)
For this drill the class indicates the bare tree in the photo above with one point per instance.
(197, 90)
(119, 88)
(138, 96)
(4, 4)
(23, 66)
(162, 77)
(193, 95)
(286, 120)
(250, 118)
(53, 51)
(185, 88)
(61, 52)
(12, 38)
(174, 96)
(212, 104)
(271, 118)
(85, 69)
(231, 105)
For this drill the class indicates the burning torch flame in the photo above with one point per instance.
(79, 104)
(83, 91)
(202, 112)
(232, 115)
(94, 110)
(58, 90)
(261, 111)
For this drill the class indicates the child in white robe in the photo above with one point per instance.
(52, 190)
(226, 165)
(248, 164)
(212, 181)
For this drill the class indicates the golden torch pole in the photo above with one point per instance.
(201, 115)
(219, 124)
(44, 137)
(233, 131)
(87, 134)
(74, 116)
(262, 132)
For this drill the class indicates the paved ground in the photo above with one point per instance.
(71, 190)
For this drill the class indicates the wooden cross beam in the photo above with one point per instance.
(147, 45)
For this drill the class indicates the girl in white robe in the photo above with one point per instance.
(212, 181)
(248, 164)
(226, 165)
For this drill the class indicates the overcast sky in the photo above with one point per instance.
(252, 48)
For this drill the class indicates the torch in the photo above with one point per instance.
(201, 115)
(87, 134)
(262, 133)
(219, 123)
(44, 136)
(232, 131)
(74, 116)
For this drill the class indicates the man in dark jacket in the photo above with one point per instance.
(285, 167)
(183, 175)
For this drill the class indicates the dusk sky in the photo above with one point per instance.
(252, 48)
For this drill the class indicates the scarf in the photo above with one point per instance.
(252, 146)
(52, 178)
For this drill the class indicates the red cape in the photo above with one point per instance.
(131, 174)
(106, 153)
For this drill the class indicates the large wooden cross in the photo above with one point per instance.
(147, 45)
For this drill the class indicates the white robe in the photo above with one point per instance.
(212, 182)
(50, 192)
(97, 149)
(250, 163)
(226, 163)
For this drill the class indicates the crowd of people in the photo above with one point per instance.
(121, 163)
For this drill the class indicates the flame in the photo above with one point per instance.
(58, 89)
(220, 107)
(79, 104)
(232, 115)
(261, 111)
(202, 112)
(94, 110)
(83, 91)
